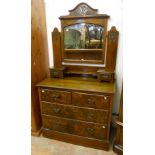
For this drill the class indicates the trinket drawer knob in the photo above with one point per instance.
(42, 90)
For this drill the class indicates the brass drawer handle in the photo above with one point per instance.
(55, 96)
(56, 125)
(91, 101)
(90, 115)
(90, 130)
(56, 110)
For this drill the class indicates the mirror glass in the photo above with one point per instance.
(83, 36)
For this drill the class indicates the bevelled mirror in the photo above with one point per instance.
(83, 36)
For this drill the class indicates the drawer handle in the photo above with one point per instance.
(90, 130)
(57, 124)
(90, 115)
(91, 101)
(56, 110)
(56, 96)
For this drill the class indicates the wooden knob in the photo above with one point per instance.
(105, 97)
(103, 127)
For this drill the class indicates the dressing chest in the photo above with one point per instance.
(76, 102)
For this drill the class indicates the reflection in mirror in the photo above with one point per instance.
(83, 36)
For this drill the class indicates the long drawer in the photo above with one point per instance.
(56, 96)
(73, 112)
(92, 130)
(78, 140)
(91, 100)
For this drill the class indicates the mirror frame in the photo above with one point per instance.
(100, 22)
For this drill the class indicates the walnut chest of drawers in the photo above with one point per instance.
(77, 111)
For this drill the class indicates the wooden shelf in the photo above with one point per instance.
(83, 61)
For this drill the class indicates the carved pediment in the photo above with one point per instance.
(83, 9)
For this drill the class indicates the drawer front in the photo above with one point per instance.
(79, 113)
(97, 131)
(91, 100)
(56, 96)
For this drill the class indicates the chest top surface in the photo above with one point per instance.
(78, 85)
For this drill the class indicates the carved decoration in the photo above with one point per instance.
(83, 9)
(113, 34)
(112, 43)
(55, 33)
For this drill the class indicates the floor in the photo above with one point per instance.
(45, 146)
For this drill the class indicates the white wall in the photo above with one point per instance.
(114, 8)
